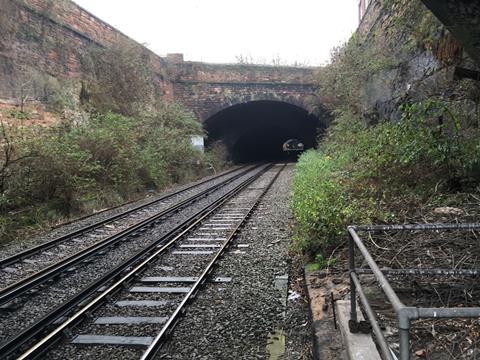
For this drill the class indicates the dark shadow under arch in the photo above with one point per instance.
(255, 131)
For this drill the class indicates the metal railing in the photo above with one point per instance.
(405, 314)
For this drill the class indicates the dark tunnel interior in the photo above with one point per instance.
(256, 131)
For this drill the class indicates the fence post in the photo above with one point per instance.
(353, 323)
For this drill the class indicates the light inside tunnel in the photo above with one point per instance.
(256, 131)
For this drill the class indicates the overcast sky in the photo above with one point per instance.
(219, 31)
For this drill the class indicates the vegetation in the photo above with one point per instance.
(380, 170)
(122, 79)
(361, 173)
(71, 169)
(276, 60)
(343, 81)
(115, 139)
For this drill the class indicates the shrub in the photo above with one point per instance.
(322, 204)
(370, 169)
(19, 114)
(217, 157)
(122, 78)
(70, 168)
(360, 172)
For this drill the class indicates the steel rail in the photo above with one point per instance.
(20, 287)
(145, 256)
(189, 187)
(158, 340)
(58, 240)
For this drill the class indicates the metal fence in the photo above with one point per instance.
(405, 314)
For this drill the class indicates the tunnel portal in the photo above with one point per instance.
(256, 130)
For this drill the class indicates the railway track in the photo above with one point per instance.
(144, 257)
(105, 222)
(84, 244)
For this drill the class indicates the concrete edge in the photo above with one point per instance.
(359, 346)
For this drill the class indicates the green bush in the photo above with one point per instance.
(217, 157)
(122, 78)
(19, 114)
(69, 168)
(377, 170)
(360, 172)
(322, 204)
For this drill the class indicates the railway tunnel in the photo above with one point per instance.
(256, 130)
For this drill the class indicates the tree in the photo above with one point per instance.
(24, 92)
(9, 156)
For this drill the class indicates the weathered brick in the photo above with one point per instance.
(53, 36)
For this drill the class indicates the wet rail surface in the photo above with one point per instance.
(210, 241)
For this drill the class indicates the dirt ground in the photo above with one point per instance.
(37, 115)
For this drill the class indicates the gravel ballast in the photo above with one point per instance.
(249, 317)
(11, 248)
(167, 264)
(234, 320)
(38, 261)
(33, 306)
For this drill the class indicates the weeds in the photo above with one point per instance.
(19, 114)
(71, 169)
(360, 171)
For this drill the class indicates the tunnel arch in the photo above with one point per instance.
(296, 98)
(256, 130)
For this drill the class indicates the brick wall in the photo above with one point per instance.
(53, 37)
(76, 19)
(207, 98)
(204, 72)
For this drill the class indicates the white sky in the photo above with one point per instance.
(220, 30)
